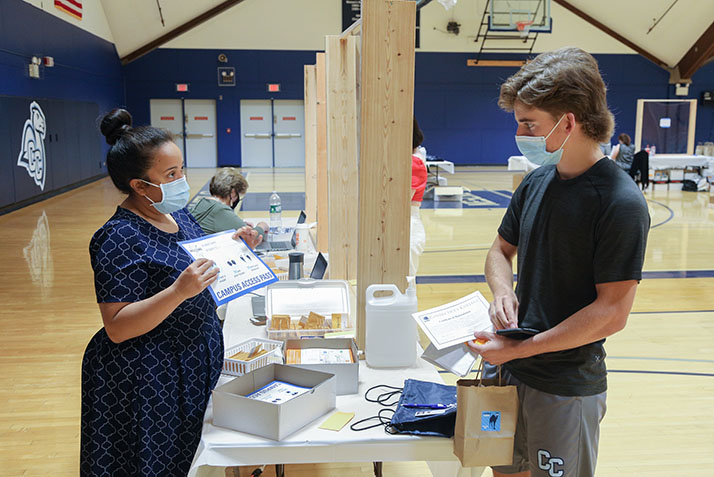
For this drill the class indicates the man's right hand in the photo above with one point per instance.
(197, 276)
(504, 311)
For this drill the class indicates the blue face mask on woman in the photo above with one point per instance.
(174, 195)
(533, 147)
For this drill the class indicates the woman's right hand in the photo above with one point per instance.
(197, 276)
(504, 311)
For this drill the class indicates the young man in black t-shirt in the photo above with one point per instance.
(578, 225)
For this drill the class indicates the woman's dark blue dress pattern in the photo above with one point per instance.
(143, 400)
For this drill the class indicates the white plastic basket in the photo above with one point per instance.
(236, 367)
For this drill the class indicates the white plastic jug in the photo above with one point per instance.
(391, 333)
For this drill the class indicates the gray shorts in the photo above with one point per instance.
(556, 436)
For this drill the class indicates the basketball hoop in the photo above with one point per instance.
(524, 27)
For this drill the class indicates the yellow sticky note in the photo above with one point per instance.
(337, 421)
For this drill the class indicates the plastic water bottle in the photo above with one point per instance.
(653, 150)
(391, 332)
(276, 210)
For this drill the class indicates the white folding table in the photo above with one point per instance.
(220, 448)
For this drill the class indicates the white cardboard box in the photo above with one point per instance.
(453, 194)
(347, 374)
(233, 410)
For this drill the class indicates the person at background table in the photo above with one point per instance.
(624, 152)
(217, 212)
(417, 235)
(578, 225)
(148, 373)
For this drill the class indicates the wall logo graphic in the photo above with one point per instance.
(32, 153)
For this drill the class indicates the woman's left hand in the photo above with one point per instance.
(251, 236)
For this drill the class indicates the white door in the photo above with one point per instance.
(166, 114)
(289, 118)
(201, 144)
(256, 138)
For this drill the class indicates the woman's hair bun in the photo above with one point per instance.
(114, 124)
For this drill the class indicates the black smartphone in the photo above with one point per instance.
(518, 333)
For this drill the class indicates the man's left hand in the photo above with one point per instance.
(496, 349)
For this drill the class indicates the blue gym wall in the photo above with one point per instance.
(456, 105)
(86, 80)
(154, 77)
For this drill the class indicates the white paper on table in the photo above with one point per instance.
(325, 356)
(455, 323)
(456, 359)
(241, 270)
(278, 392)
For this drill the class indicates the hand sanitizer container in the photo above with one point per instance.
(391, 332)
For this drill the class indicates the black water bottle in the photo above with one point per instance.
(295, 265)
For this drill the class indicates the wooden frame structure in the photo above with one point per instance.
(342, 66)
(364, 181)
(311, 142)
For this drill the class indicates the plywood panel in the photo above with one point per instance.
(342, 155)
(322, 197)
(387, 110)
(310, 143)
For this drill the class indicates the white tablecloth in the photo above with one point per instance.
(679, 161)
(520, 163)
(446, 166)
(220, 448)
(658, 161)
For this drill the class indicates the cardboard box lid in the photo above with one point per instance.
(297, 297)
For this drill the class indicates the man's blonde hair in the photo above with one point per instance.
(562, 81)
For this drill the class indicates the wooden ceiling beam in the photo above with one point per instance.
(180, 30)
(501, 63)
(565, 4)
(698, 55)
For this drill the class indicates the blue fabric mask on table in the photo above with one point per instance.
(533, 147)
(174, 196)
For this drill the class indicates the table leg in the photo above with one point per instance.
(279, 470)
(377, 469)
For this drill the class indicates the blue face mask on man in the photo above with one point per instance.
(533, 147)
(174, 196)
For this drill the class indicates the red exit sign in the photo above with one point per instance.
(273, 87)
(182, 87)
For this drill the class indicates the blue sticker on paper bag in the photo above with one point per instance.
(491, 421)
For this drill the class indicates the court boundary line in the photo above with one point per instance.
(481, 278)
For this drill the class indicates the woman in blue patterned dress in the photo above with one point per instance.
(148, 374)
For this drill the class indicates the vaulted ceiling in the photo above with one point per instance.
(671, 33)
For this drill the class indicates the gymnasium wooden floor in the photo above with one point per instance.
(660, 419)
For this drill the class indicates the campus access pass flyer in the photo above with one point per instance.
(241, 270)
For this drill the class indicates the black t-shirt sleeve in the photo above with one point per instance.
(510, 227)
(621, 239)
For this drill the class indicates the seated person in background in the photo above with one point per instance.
(624, 152)
(606, 148)
(217, 212)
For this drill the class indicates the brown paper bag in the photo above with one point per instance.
(486, 417)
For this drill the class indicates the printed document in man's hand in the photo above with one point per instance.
(455, 323)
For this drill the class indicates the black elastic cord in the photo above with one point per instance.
(383, 421)
(384, 396)
(381, 399)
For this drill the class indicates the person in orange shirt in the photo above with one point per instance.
(417, 236)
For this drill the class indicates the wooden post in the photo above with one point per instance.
(342, 155)
(322, 197)
(310, 143)
(386, 116)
